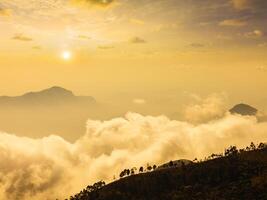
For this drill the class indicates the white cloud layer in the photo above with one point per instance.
(50, 167)
(206, 109)
(139, 101)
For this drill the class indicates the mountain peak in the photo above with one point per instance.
(53, 95)
(53, 91)
(243, 109)
(57, 88)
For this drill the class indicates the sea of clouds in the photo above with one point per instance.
(51, 167)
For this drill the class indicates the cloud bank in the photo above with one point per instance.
(249, 4)
(137, 40)
(206, 109)
(5, 12)
(233, 22)
(50, 167)
(22, 37)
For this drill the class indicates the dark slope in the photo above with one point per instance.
(239, 175)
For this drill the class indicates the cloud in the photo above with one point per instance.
(254, 34)
(105, 47)
(206, 109)
(37, 47)
(264, 44)
(249, 4)
(84, 37)
(242, 4)
(166, 27)
(233, 22)
(5, 12)
(139, 101)
(137, 21)
(262, 68)
(103, 3)
(137, 40)
(50, 167)
(197, 45)
(22, 37)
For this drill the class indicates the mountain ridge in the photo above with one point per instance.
(50, 96)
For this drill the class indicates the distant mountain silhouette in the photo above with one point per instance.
(243, 109)
(54, 95)
(51, 92)
(50, 111)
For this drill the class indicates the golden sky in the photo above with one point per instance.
(137, 47)
(164, 74)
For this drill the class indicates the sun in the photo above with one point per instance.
(66, 55)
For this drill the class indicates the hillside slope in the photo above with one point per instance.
(238, 175)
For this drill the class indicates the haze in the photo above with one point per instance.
(88, 87)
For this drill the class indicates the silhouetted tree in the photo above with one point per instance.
(154, 167)
(128, 172)
(141, 170)
(149, 168)
(122, 174)
(133, 170)
(252, 146)
(99, 185)
(232, 150)
(262, 146)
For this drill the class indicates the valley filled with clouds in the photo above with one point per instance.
(130, 82)
(51, 167)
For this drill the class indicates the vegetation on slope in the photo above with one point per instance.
(238, 174)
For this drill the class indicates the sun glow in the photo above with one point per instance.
(66, 55)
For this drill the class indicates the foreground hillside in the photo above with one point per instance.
(239, 174)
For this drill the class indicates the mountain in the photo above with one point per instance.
(240, 174)
(54, 95)
(243, 109)
(55, 110)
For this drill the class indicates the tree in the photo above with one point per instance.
(252, 146)
(128, 172)
(232, 150)
(154, 167)
(171, 163)
(98, 185)
(141, 170)
(247, 148)
(262, 146)
(122, 174)
(133, 170)
(90, 188)
(149, 168)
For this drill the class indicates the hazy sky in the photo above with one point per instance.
(135, 49)
(160, 59)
